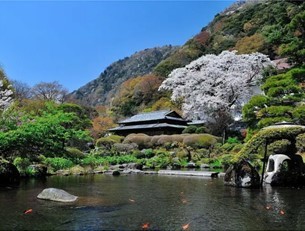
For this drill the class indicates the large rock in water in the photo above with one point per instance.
(9, 174)
(55, 194)
(242, 175)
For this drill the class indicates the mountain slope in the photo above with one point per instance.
(246, 26)
(100, 90)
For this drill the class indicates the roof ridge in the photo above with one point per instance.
(154, 111)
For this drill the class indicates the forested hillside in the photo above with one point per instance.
(102, 89)
(247, 26)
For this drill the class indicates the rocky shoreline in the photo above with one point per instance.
(9, 174)
(126, 169)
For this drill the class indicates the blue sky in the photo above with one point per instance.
(72, 42)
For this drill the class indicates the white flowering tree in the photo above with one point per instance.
(6, 92)
(214, 83)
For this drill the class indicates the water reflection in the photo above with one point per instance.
(163, 202)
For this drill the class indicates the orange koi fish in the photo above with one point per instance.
(28, 211)
(145, 226)
(186, 226)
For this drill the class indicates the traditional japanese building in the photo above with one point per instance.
(152, 123)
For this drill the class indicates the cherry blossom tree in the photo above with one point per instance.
(214, 83)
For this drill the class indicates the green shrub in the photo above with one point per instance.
(232, 147)
(30, 171)
(201, 130)
(145, 153)
(200, 154)
(106, 142)
(138, 154)
(228, 146)
(216, 163)
(237, 148)
(36, 170)
(232, 140)
(279, 146)
(226, 160)
(94, 161)
(74, 154)
(205, 161)
(125, 159)
(116, 138)
(148, 153)
(300, 142)
(190, 129)
(200, 140)
(58, 163)
(21, 164)
(181, 162)
(160, 161)
(41, 158)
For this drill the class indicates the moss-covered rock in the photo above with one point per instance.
(242, 175)
(77, 170)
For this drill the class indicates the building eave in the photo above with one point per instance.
(147, 126)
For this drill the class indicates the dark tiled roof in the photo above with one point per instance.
(156, 115)
(147, 126)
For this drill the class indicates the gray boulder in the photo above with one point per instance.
(242, 175)
(191, 164)
(55, 194)
(204, 166)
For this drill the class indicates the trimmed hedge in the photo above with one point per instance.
(193, 140)
(109, 141)
(200, 140)
(255, 146)
(127, 148)
(279, 146)
(301, 142)
(142, 140)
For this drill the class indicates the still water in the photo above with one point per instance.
(161, 202)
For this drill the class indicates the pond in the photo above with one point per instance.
(158, 202)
